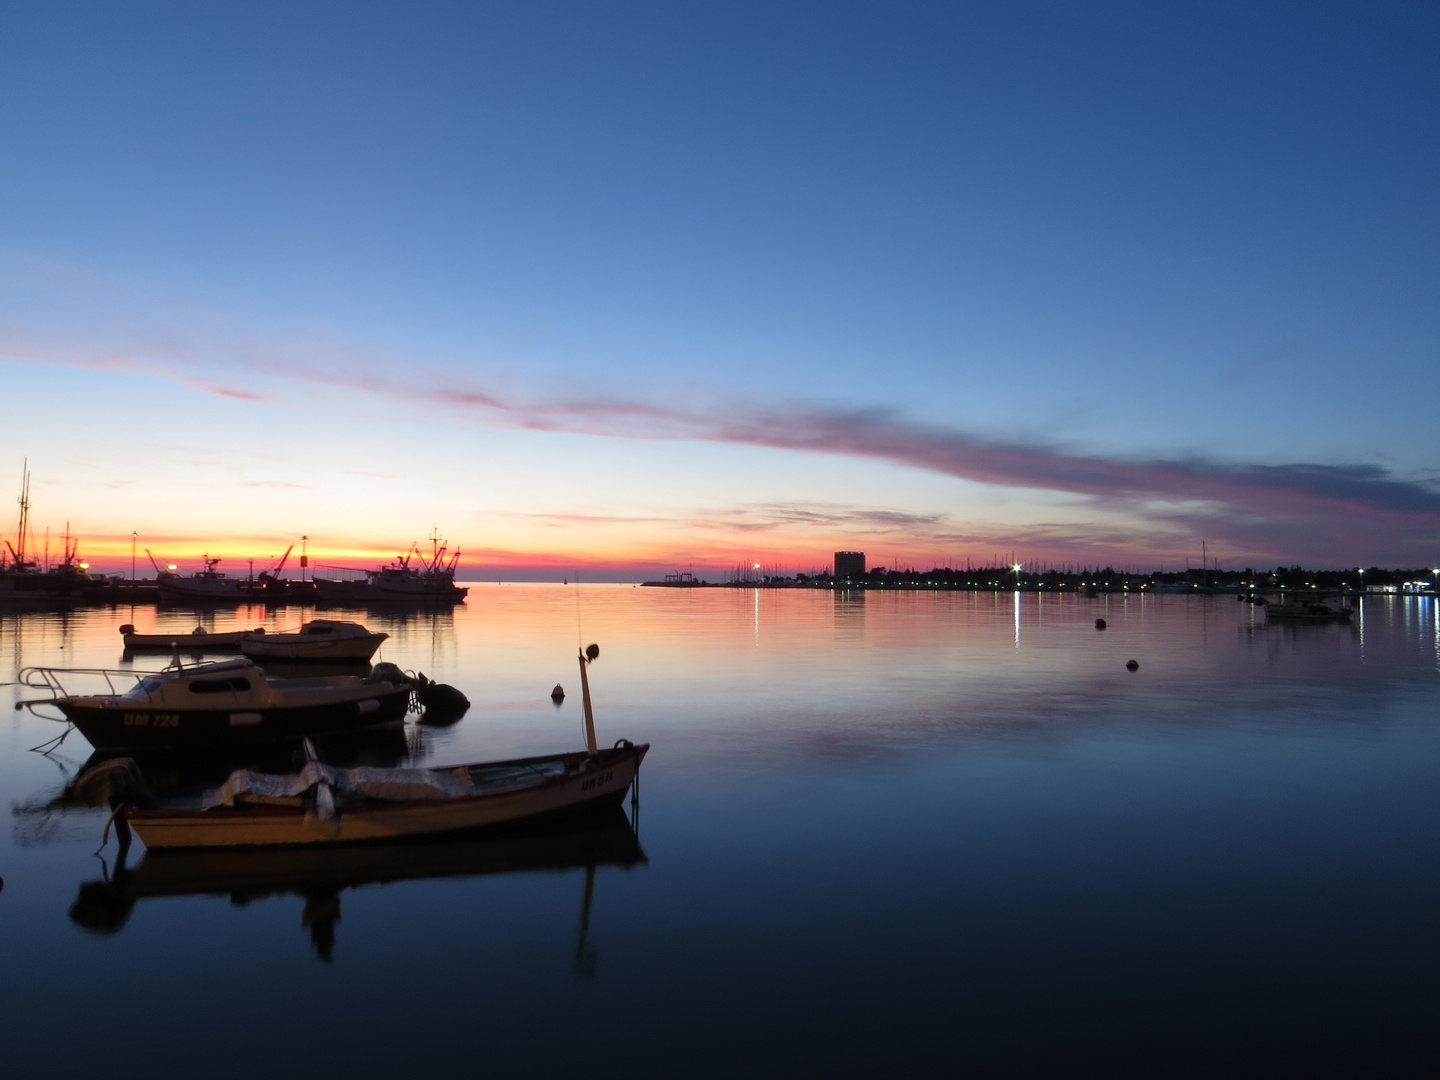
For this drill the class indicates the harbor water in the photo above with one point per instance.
(877, 834)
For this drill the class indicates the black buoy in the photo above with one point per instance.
(1132, 665)
(1099, 624)
(558, 694)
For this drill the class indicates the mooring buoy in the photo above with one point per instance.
(558, 694)
(1099, 624)
(1132, 665)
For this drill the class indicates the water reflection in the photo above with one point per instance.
(848, 617)
(319, 875)
(197, 767)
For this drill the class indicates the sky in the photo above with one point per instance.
(614, 289)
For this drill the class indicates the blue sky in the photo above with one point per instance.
(714, 281)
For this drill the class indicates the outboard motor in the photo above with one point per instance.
(443, 704)
(388, 672)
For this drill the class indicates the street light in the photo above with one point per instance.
(133, 537)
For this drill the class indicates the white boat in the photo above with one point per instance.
(321, 639)
(206, 585)
(217, 704)
(411, 577)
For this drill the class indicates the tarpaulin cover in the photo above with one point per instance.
(245, 786)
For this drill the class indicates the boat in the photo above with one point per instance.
(322, 804)
(226, 702)
(198, 640)
(1308, 611)
(325, 805)
(23, 581)
(208, 585)
(320, 639)
(411, 577)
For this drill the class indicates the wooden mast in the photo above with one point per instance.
(590, 653)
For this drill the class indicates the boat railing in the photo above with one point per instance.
(54, 680)
(342, 573)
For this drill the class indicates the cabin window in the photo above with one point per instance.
(150, 686)
(218, 686)
(322, 629)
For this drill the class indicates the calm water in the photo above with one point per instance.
(877, 835)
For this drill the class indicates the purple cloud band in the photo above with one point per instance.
(1336, 507)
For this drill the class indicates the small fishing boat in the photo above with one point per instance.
(215, 704)
(198, 640)
(321, 639)
(326, 805)
(1308, 611)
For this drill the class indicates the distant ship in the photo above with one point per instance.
(22, 579)
(411, 577)
(208, 584)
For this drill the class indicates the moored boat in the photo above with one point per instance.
(194, 641)
(215, 704)
(1308, 611)
(208, 585)
(325, 805)
(320, 639)
(410, 577)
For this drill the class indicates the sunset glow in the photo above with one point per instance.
(552, 315)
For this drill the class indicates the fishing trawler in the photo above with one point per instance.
(209, 584)
(23, 579)
(410, 577)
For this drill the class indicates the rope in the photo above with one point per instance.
(57, 741)
(105, 836)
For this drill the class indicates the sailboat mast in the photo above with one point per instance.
(24, 512)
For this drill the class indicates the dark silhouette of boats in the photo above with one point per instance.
(411, 578)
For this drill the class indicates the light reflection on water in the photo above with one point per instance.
(878, 833)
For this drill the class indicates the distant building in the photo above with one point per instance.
(849, 564)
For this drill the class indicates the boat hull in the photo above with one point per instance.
(356, 648)
(184, 642)
(370, 592)
(1314, 614)
(601, 781)
(120, 727)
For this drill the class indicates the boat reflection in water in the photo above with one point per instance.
(179, 768)
(320, 874)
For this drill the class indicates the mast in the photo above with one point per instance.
(24, 514)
